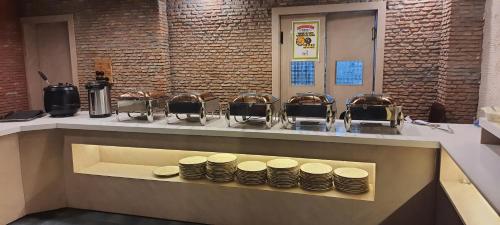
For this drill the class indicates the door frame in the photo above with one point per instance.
(28, 26)
(378, 7)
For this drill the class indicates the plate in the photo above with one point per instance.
(166, 171)
(316, 168)
(192, 160)
(252, 166)
(282, 163)
(351, 173)
(222, 158)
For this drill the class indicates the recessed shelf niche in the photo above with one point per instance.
(465, 197)
(138, 163)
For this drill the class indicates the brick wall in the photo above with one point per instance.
(412, 49)
(460, 58)
(220, 46)
(223, 46)
(132, 33)
(13, 94)
(214, 41)
(211, 41)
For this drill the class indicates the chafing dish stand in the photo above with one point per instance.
(373, 107)
(193, 103)
(310, 105)
(143, 103)
(250, 105)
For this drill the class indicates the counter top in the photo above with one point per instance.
(481, 163)
(492, 127)
(411, 135)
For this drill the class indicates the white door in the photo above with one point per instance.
(47, 50)
(350, 54)
(299, 76)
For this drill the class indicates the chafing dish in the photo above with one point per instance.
(193, 103)
(250, 105)
(143, 103)
(310, 105)
(373, 107)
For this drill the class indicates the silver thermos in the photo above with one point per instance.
(99, 96)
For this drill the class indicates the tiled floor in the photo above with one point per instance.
(70, 216)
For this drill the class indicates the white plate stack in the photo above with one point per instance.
(282, 173)
(316, 177)
(251, 173)
(351, 180)
(221, 167)
(193, 167)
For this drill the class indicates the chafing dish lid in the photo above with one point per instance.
(252, 97)
(140, 95)
(193, 97)
(371, 99)
(311, 98)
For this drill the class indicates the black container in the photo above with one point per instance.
(61, 100)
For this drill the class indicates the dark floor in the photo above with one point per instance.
(68, 216)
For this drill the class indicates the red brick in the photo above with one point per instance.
(13, 92)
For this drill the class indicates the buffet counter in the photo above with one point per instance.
(105, 164)
(411, 135)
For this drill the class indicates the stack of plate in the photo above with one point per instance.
(193, 167)
(282, 173)
(316, 177)
(351, 180)
(251, 173)
(221, 167)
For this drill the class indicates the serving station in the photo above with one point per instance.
(193, 104)
(105, 164)
(372, 107)
(309, 105)
(140, 105)
(250, 105)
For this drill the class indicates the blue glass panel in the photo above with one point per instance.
(302, 73)
(349, 73)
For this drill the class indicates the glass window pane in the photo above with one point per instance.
(302, 73)
(349, 73)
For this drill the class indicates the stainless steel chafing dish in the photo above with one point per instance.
(193, 103)
(310, 105)
(373, 107)
(250, 105)
(143, 103)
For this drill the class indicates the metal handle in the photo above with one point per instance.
(43, 76)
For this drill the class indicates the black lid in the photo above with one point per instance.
(99, 75)
(97, 84)
(61, 87)
(100, 81)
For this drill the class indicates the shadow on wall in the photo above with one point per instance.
(406, 214)
(439, 206)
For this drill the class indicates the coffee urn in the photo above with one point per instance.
(99, 96)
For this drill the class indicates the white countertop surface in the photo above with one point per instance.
(412, 135)
(492, 127)
(481, 163)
